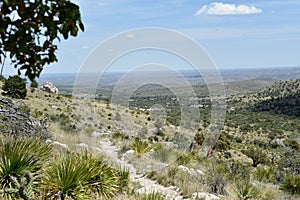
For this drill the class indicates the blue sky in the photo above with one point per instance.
(236, 34)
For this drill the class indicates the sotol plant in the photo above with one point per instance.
(80, 176)
(291, 184)
(21, 161)
(139, 146)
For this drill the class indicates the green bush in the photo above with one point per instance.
(257, 156)
(292, 144)
(246, 190)
(290, 161)
(15, 87)
(185, 159)
(265, 174)
(291, 184)
(36, 113)
(139, 146)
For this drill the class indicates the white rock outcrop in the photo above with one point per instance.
(204, 195)
(49, 87)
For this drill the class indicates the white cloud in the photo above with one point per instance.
(219, 8)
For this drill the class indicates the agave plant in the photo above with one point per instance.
(21, 161)
(80, 176)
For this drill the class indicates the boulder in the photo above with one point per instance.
(49, 87)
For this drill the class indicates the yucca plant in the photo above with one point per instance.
(123, 173)
(291, 184)
(265, 174)
(246, 190)
(21, 161)
(80, 176)
(139, 146)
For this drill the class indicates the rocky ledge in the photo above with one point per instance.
(15, 120)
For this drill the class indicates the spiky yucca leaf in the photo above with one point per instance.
(123, 173)
(245, 190)
(21, 158)
(80, 175)
(18, 156)
(139, 146)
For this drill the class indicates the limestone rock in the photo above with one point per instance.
(49, 87)
(15, 120)
(206, 196)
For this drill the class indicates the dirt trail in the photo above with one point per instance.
(148, 185)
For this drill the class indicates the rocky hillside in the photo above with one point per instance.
(281, 98)
(15, 120)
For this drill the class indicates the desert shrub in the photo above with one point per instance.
(260, 143)
(290, 161)
(165, 154)
(236, 170)
(139, 146)
(222, 143)
(24, 109)
(227, 154)
(118, 135)
(150, 196)
(257, 156)
(64, 121)
(184, 159)
(181, 141)
(36, 113)
(21, 161)
(15, 87)
(78, 176)
(217, 179)
(291, 184)
(199, 138)
(245, 190)
(237, 139)
(265, 174)
(217, 183)
(292, 144)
